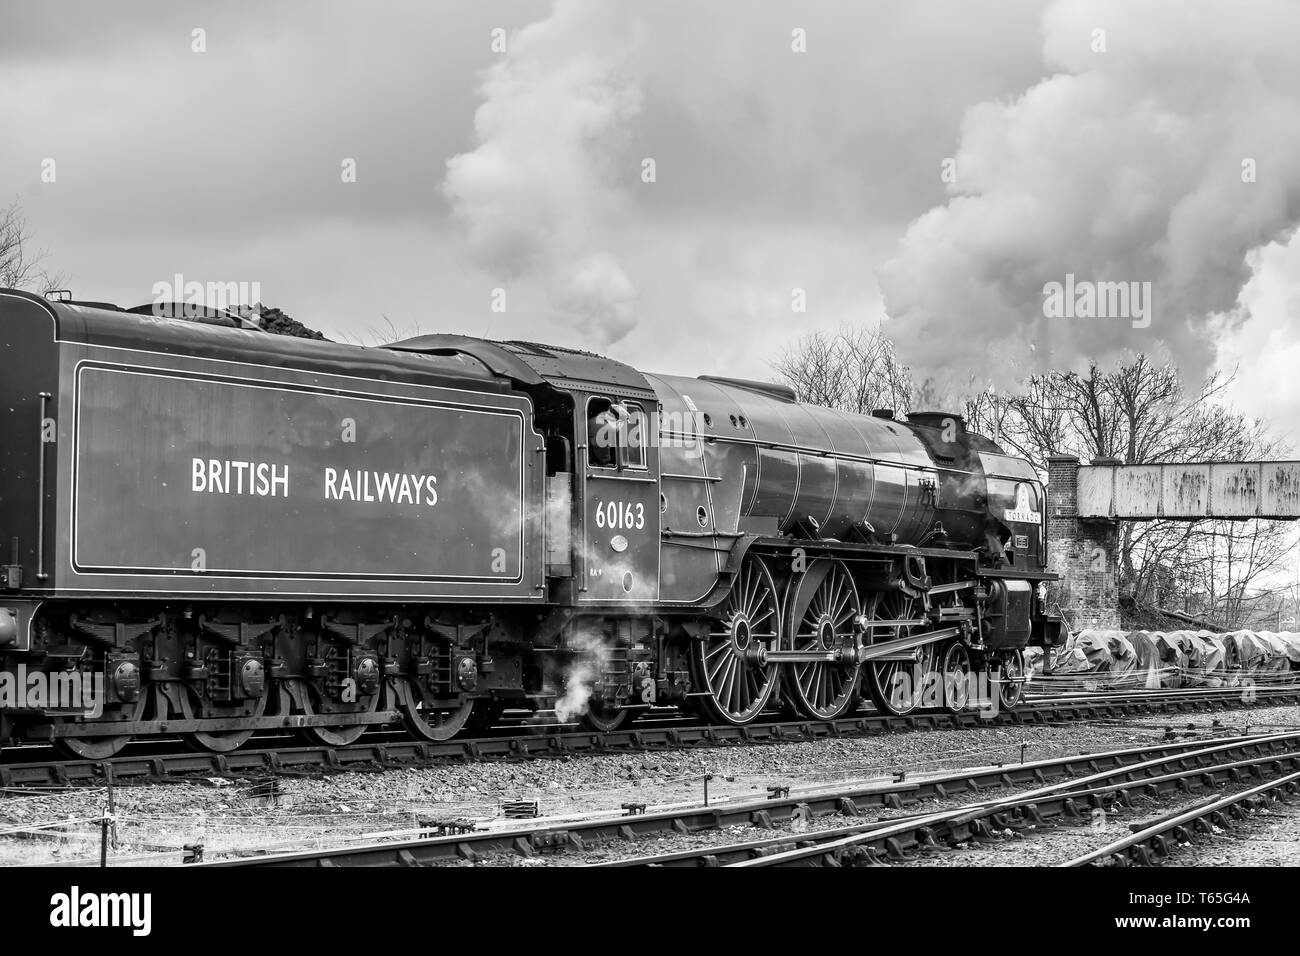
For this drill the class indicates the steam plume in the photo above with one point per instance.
(536, 192)
(1130, 164)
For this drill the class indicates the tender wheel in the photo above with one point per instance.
(824, 690)
(342, 733)
(582, 702)
(730, 662)
(605, 719)
(896, 687)
(956, 677)
(1010, 690)
(219, 741)
(101, 748)
(432, 722)
(92, 748)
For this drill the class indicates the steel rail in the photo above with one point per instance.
(968, 822)
(845, 800)
(1070, 804)
(1144, 846)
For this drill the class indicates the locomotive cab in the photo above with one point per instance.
(616, 501)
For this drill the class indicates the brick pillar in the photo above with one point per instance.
(1084, 553)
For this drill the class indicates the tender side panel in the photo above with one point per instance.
(212, 478)
(30, 368)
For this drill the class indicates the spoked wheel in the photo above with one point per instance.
(100, 748)
(955, 672)
(342, 733)
(604, 718)
(896, 687)
(825, 690)
(730, 662)
(1011, 690)
(430, 722)
(219, 741)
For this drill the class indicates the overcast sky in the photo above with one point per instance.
(935, 161)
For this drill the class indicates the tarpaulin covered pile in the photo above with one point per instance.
(1257, 652)
(1203, 653)
(1160, 658)
(1091, 659)
(1093, 652)
(1292, 641)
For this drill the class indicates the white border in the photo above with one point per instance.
(252, 574)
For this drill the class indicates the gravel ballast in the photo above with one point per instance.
(156, 821)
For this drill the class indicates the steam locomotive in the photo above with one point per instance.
(213, 531)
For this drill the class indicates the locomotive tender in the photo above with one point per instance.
(226, 531)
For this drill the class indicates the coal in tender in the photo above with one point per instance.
(277, 322)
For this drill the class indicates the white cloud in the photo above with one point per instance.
(1260, 341)
(1124, 166)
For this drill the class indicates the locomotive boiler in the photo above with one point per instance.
(230, 532)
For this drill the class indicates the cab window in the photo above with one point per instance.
(633, 435)
(602, 437)
(616, 434)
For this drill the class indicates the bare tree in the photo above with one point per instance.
(1138, 411)
(1238, 560)
(854, 370)
(20, 265)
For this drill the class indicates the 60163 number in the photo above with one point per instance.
(620, 515)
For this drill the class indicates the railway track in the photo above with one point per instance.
(1155, 841)
(1084, 781)
(1212, 764)
(38, 767)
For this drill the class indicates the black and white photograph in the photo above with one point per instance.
(469, 439)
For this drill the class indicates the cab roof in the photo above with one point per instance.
(532, 364)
